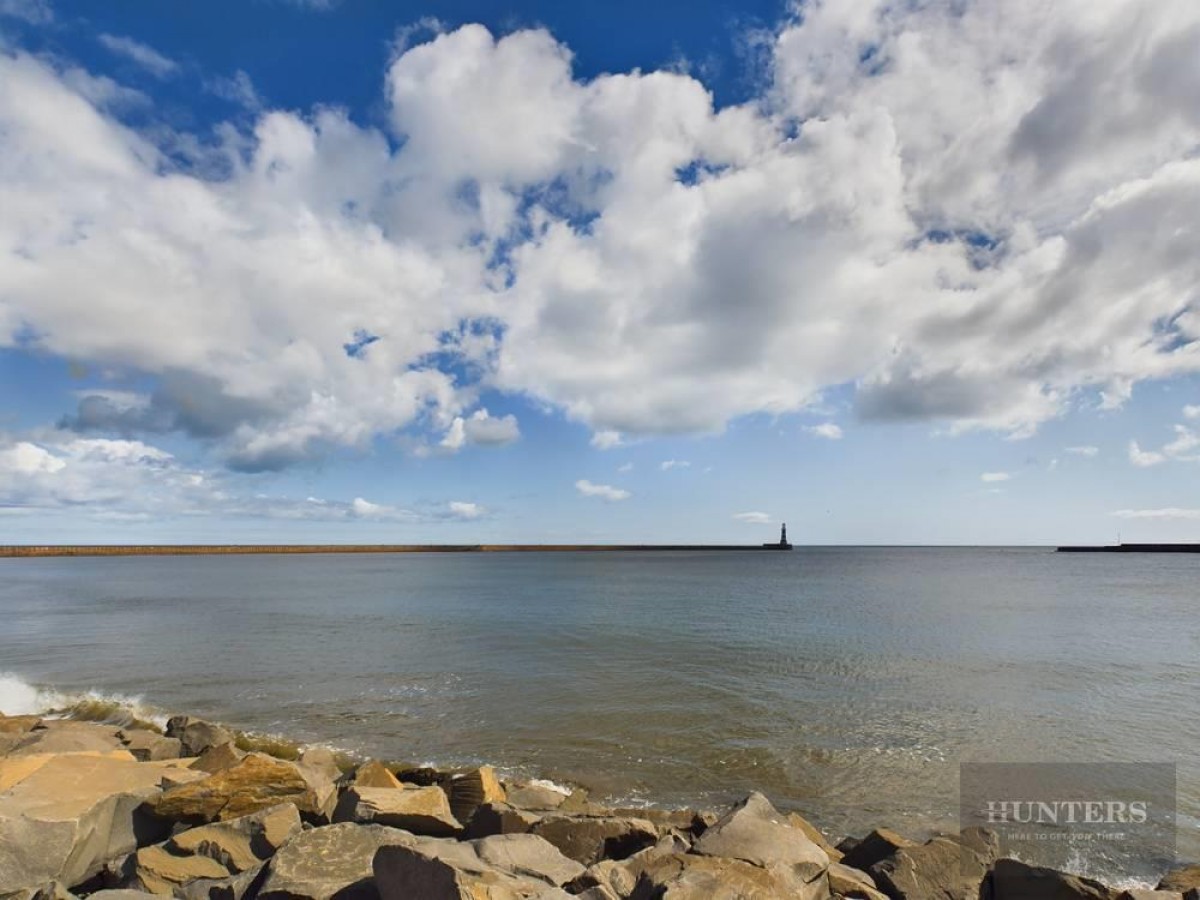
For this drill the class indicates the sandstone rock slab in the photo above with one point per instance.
(468, 790)
(1014, 880)
(330, 861)
(219, 758)
(147, 745)
(375, 774)
(878, 845)
(588, 839)
(256, 782)
(691, 877)
(756, 832)
(196, 735)
(447, 870)
(421, 810)
(940, 869)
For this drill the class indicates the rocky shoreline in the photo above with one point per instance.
(197, 812)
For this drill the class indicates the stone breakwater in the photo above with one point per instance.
(127, 812)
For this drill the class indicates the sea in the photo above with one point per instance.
(847, 683)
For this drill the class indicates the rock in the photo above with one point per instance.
(508, 867)
(18, 724)
(146, 745)
(122, 894)
(1181, 879)
(852, 883)
(15, 769)
(1147, 894)
(879, 844)
(588, 839)
(375, 775)
(256, 782)
(219, 758)
(235, 887)
(65, 820)
(500, 818)
(196, 735)
(423, 776)
(814, 834)
(470, 789)
(846, 844)
(597, 892)
(421, 810)
(65, 736)
(322, 761)
(621, 876)
(940, 869)
(756, 832)
(334, 860)
(682, 820)
(534, 796)
(690, 877)
(216, 851)
(1014, 880)
(55, 890)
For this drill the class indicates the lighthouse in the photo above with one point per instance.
(783, 541)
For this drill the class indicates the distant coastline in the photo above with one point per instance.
(31, 550)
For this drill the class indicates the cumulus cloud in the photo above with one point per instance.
(460, 509)
(607, 440)
(995, 477)
(604, 491)
(982, 214)
(1184, 448)
(1191, 412)
(625, 468)
(1144, 458)
(480, 428)
(828, 430)
(1087, 451)
(145, 56)
(668, 464)
(1162, 513)
(753, 518)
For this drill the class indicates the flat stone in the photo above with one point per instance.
(73, 814)
(196, 735)
(758, 833)
(467, 791)
(235, 887)
(1010, 879)
(690, 877)
(529, 855)
(18, 724)
(122, 894)
(621, 876)
(15, 769)
(589, 839)
(534, 796)
(447, 870)
(852, 883)
(147, 746)
(375, 774)
(334, 860)
(219, 758)
(1182, 879)
(1147, 894)
(500, 818)
(65, 736)
(940, 869)
(256, 782)
(421, 810)
(878, 845)
(814, 834)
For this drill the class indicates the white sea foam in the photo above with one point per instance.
(20, 698)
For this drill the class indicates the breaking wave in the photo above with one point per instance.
(18, 697)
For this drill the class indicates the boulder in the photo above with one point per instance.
(509, 867)
(589, 839)
(235, 887)
(421, 810)
(467, 791)
(55, 890)
(217, 851)
(1014, 880)
(331, 861)
(256, 782)
(526, 795)
(852, 884)
(15, 769)
(1181, 879)
(756, 832)
(18, 724)
(122, 894)
(878, 845)
(1148, 894)
(374, 774)
(423, 776)
(500, 818)
(621, 876)
(691, 877)
(65, 736)
(321, 761)
(146, 745)
(940, 869)
(684, 821)
(196, 735)
(219, 758)
(814, 834)
(73, 814)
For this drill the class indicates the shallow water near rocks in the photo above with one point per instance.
(844, 682)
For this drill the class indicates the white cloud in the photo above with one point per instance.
(668, 464)
(985, 221)
(36, 12)
(481, 428)
(25, 458)
(994, 477)
(1084, 451)
(828, 430)
(237, 88)
(1191, 412)
(605, 491)
(625, 468)
(1144, 458)
(145, 56)
(753, 518)
(1164, 513)
(607, 440)
(463, 510)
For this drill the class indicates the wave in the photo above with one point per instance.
(19, 697)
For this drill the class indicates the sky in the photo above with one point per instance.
(348, 271)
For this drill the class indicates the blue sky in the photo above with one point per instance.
(448, 272)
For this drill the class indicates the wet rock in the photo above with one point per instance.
(1013, 880)
(421, 810)
(878, 845)
(147, 745)
(691, 877)
(508, 867)
(216, 851)
(256, 782)
(1181, 879)
(65, 820)
(196, 735)
(467, 791)
(534, 796)
(423, 776)
(330, 861)
(588, 839)
(500, 818)
(756, 832)
(18, 724)
(375, 775)
(219, 758)
(852, 884)
(940, 869)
